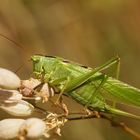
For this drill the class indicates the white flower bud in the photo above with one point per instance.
(21, 108)
(8, 79)
(20, 128)
(34, 127)
(10, 96)
(9, 128)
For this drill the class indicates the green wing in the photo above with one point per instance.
(121, 92)
(113, 89)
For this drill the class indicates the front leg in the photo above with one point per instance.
(63, 89)
(94, 93)
(64, 107)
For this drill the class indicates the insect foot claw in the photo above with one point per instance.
(97, 114)
(63, 106)
(87, 111)
(65, 109)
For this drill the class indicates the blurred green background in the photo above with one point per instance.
(86, 31)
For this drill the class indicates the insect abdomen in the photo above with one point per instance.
(84, 95)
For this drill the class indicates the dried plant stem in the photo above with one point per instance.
(82, 116)
(113, 122)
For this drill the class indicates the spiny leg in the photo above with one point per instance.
(63, 89)
(82, 79)
(60, 105)
(60, 101)
(64, 107)
(103, 81)
(117, 77)
(71, 85)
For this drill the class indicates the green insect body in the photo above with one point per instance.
(82, 84)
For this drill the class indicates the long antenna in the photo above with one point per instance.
(14, 42)
(17, 44)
